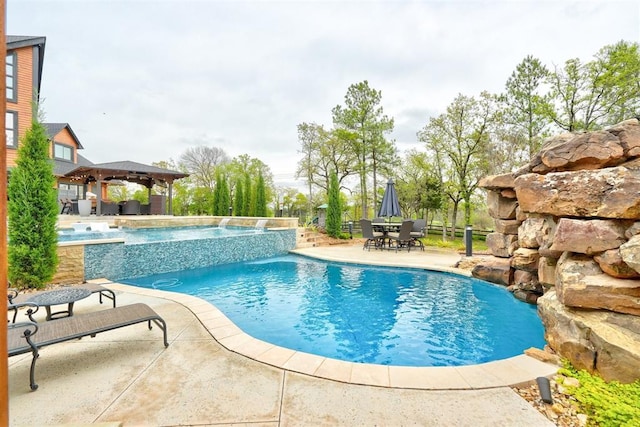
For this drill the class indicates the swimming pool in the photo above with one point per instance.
(134, 236)
(381, 315)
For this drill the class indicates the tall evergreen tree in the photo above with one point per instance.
(238, 199)
(217, 195)
(224, 200)
(527, 106)
(33, 213)
(364, 122)
(246, 202)
(334, 208)
(261, 198)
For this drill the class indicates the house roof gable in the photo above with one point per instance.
(55, 128)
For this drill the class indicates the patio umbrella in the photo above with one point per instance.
(390, 206)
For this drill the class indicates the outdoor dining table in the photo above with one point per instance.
(57, 297)
(386, 228)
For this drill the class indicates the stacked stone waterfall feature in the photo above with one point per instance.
(567, 237)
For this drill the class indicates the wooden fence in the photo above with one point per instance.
(353, 227)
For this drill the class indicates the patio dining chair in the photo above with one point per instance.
(66, 207)
(402, 239)
(373, 237)
(418, 231)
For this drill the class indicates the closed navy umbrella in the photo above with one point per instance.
(390, 206)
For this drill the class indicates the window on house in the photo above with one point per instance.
(11, 76)
(63, 152)
(11, 123)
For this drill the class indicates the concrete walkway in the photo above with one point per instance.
(214, 374)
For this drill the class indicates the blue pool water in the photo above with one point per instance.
(381, 315)
(134, 236)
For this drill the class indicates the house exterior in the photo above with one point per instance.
(24, 65)
(64, 152)
(75, 175)
(25, 56)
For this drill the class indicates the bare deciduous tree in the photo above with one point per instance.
(202, 162)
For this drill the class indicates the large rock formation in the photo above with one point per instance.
(567, 225)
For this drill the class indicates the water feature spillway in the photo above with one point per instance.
(114, 259)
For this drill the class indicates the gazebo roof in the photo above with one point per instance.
(126, 171)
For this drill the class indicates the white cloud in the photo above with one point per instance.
(145, 80)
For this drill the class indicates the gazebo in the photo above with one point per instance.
(126, 171)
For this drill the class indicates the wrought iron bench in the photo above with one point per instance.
(29, 337)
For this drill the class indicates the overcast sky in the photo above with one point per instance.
(146, 80)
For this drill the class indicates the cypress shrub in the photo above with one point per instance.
(238, 199)
(334, 208)
(33, 213)
(261, 198)
(246, 201)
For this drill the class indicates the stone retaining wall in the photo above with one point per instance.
(567, 236)
(71, 266)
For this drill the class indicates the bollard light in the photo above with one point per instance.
(468, 240)
(545, 389)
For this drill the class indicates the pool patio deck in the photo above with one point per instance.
(214, 374)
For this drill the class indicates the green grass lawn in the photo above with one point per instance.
(457, 244)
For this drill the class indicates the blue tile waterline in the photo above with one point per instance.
(118, 260)
(366, 314)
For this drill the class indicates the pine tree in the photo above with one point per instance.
(33, 213)
(334, 209)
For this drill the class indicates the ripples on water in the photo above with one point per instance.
(380, 315)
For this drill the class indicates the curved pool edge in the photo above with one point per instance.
(434, 260)
(513, 371)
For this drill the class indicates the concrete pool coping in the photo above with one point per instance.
(507, 372)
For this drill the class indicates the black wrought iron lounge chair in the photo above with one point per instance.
(373, 237)
(402, 239)
(30, 337)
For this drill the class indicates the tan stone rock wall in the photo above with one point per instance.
(71, 265)
(578, 243)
